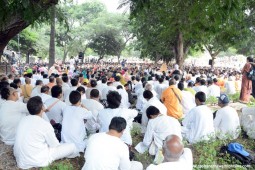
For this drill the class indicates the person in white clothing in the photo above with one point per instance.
(57, 107)
(73, 125)
(124, 97)
(230, 86)
(117, 82)
(65, 86)
(11, 112)
(38, 146)
(45, 90)
(159, 127)
(175, 155)
(160, 87)
(105, 116)
(202, 87)
(226, 122)
(151, 101)
(213, 89)
(45, 79)
(94, 106)
(74, 83)
(93, 84)
(37, 89)
(188, 100)
(198, 123)
(105, 151)
(106, 90)
(102, 86)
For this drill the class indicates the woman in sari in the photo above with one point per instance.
(246, 86)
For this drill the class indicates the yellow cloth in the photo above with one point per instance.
(171, 101)
(27, 90)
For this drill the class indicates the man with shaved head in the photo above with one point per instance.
(175, 155)
(171, 98)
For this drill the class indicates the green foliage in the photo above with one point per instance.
(234, 97)
(59, 166)
(212, 100)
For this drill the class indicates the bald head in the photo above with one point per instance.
(172, 148)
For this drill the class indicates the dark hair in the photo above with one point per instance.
(210, 82)
(176, 77)
(190, 84)
(113, 99)
(56, 91)
(74, 82)
(16, 81)
(5, 93)
(81, 89)
(152, 110)
(38, 82)
(13, 85)
(147, 94)
(51, 79)
(181, 86)
(172, 82)
(104, 80)
(94, 93)
(34, 105)
(45, 76)
(93, 83)
(118, 123)
(201, 96)
(250, 59)
(119, 87)
(117, 78)
(45, 89)
(160, 80)
(203, 82)
(74, 97)
(215, 80)
(65, 79)
(138, 78)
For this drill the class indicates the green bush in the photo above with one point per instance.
(212, 100)
(234, 97)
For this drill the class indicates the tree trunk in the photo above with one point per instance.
(16, 23)
(52, 37)
(213, 56)
(27, 57)
(118, 58)
(180, 50)
(100, 58)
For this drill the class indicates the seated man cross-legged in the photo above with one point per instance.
(36, 144)
(106, 151)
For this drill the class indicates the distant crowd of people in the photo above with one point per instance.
(71, 109)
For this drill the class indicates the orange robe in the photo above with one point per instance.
(172, 102)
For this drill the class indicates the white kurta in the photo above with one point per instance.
(159, 128)
(11, 114)
(152, 102)
(198, 124)
(94, 106)
(56, 112)
(124, 98)
(106, 152)
(105, 116)
(226, 123)
(159, 89)
(214, 91)
(36, 91)
(73, 126)
(188, 101)
(106, 91)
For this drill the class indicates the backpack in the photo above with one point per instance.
(251, 74)
(245, 160)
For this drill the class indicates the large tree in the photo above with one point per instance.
(17, 15)
(186, 23)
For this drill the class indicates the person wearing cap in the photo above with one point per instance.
(198, 123)
(226, 122)
(175, 155)
(11, 112)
